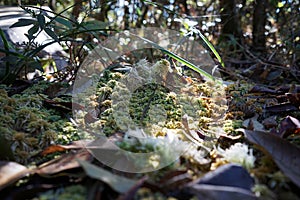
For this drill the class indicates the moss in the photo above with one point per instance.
(146, 193)
(230, 126)
(74, 192)
(29, 125)
(143, 99)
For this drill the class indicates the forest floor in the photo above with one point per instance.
(253, 144)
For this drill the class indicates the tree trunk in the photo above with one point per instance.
(102, 16)
(259, 22)
(230, 20)
(76, 9)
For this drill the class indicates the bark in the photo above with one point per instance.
(126, 17)
(259, 22)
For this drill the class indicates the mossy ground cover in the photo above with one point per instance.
(29, 125)
(33, 121)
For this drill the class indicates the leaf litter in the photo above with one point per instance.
(268, 115)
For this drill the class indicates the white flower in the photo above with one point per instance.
(239, 153)
(196, 155)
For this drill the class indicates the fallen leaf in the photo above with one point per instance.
(287, 88)
(285, 154)
(262, 89)
(294, 98)
(58, 148)
(289, 126)
(65, 162)
(270, 122)
(175, 179)
(6, 152)
(53, 149)
(11, 172)
(264, 74)
(230, 175)
(213, 192)
(18, 87)
(253, 124)
(118, 183)
(172, 174)
(91, 117)
(274, 75)
(284, 107)
(228, 182)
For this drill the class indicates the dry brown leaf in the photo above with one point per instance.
(216, 192)
(53, 149)
(285, 154)
(288, 126)
(284, 107)
(294, 98)
(67, 161)
(270, 122)
(228, 182)
(11, 172)
(58, 148)
(262, 89)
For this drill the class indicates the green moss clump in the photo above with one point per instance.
(29, 126)
(152, 98)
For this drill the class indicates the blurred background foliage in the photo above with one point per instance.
(263, 30)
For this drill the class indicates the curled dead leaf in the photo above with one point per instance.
(288, 126)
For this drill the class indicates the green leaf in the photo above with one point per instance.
(64, 22)
(93, 25)
(6, 48)
(138, 11)
(280, 4)
(118, 183)
(188, 64)
(51, 34)
(37, 50)
(35, 64)
(4, 39)
(180, 59)
(212, 48)
(33, 30)
(41, 20)
(23, 22)
(12, 53)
